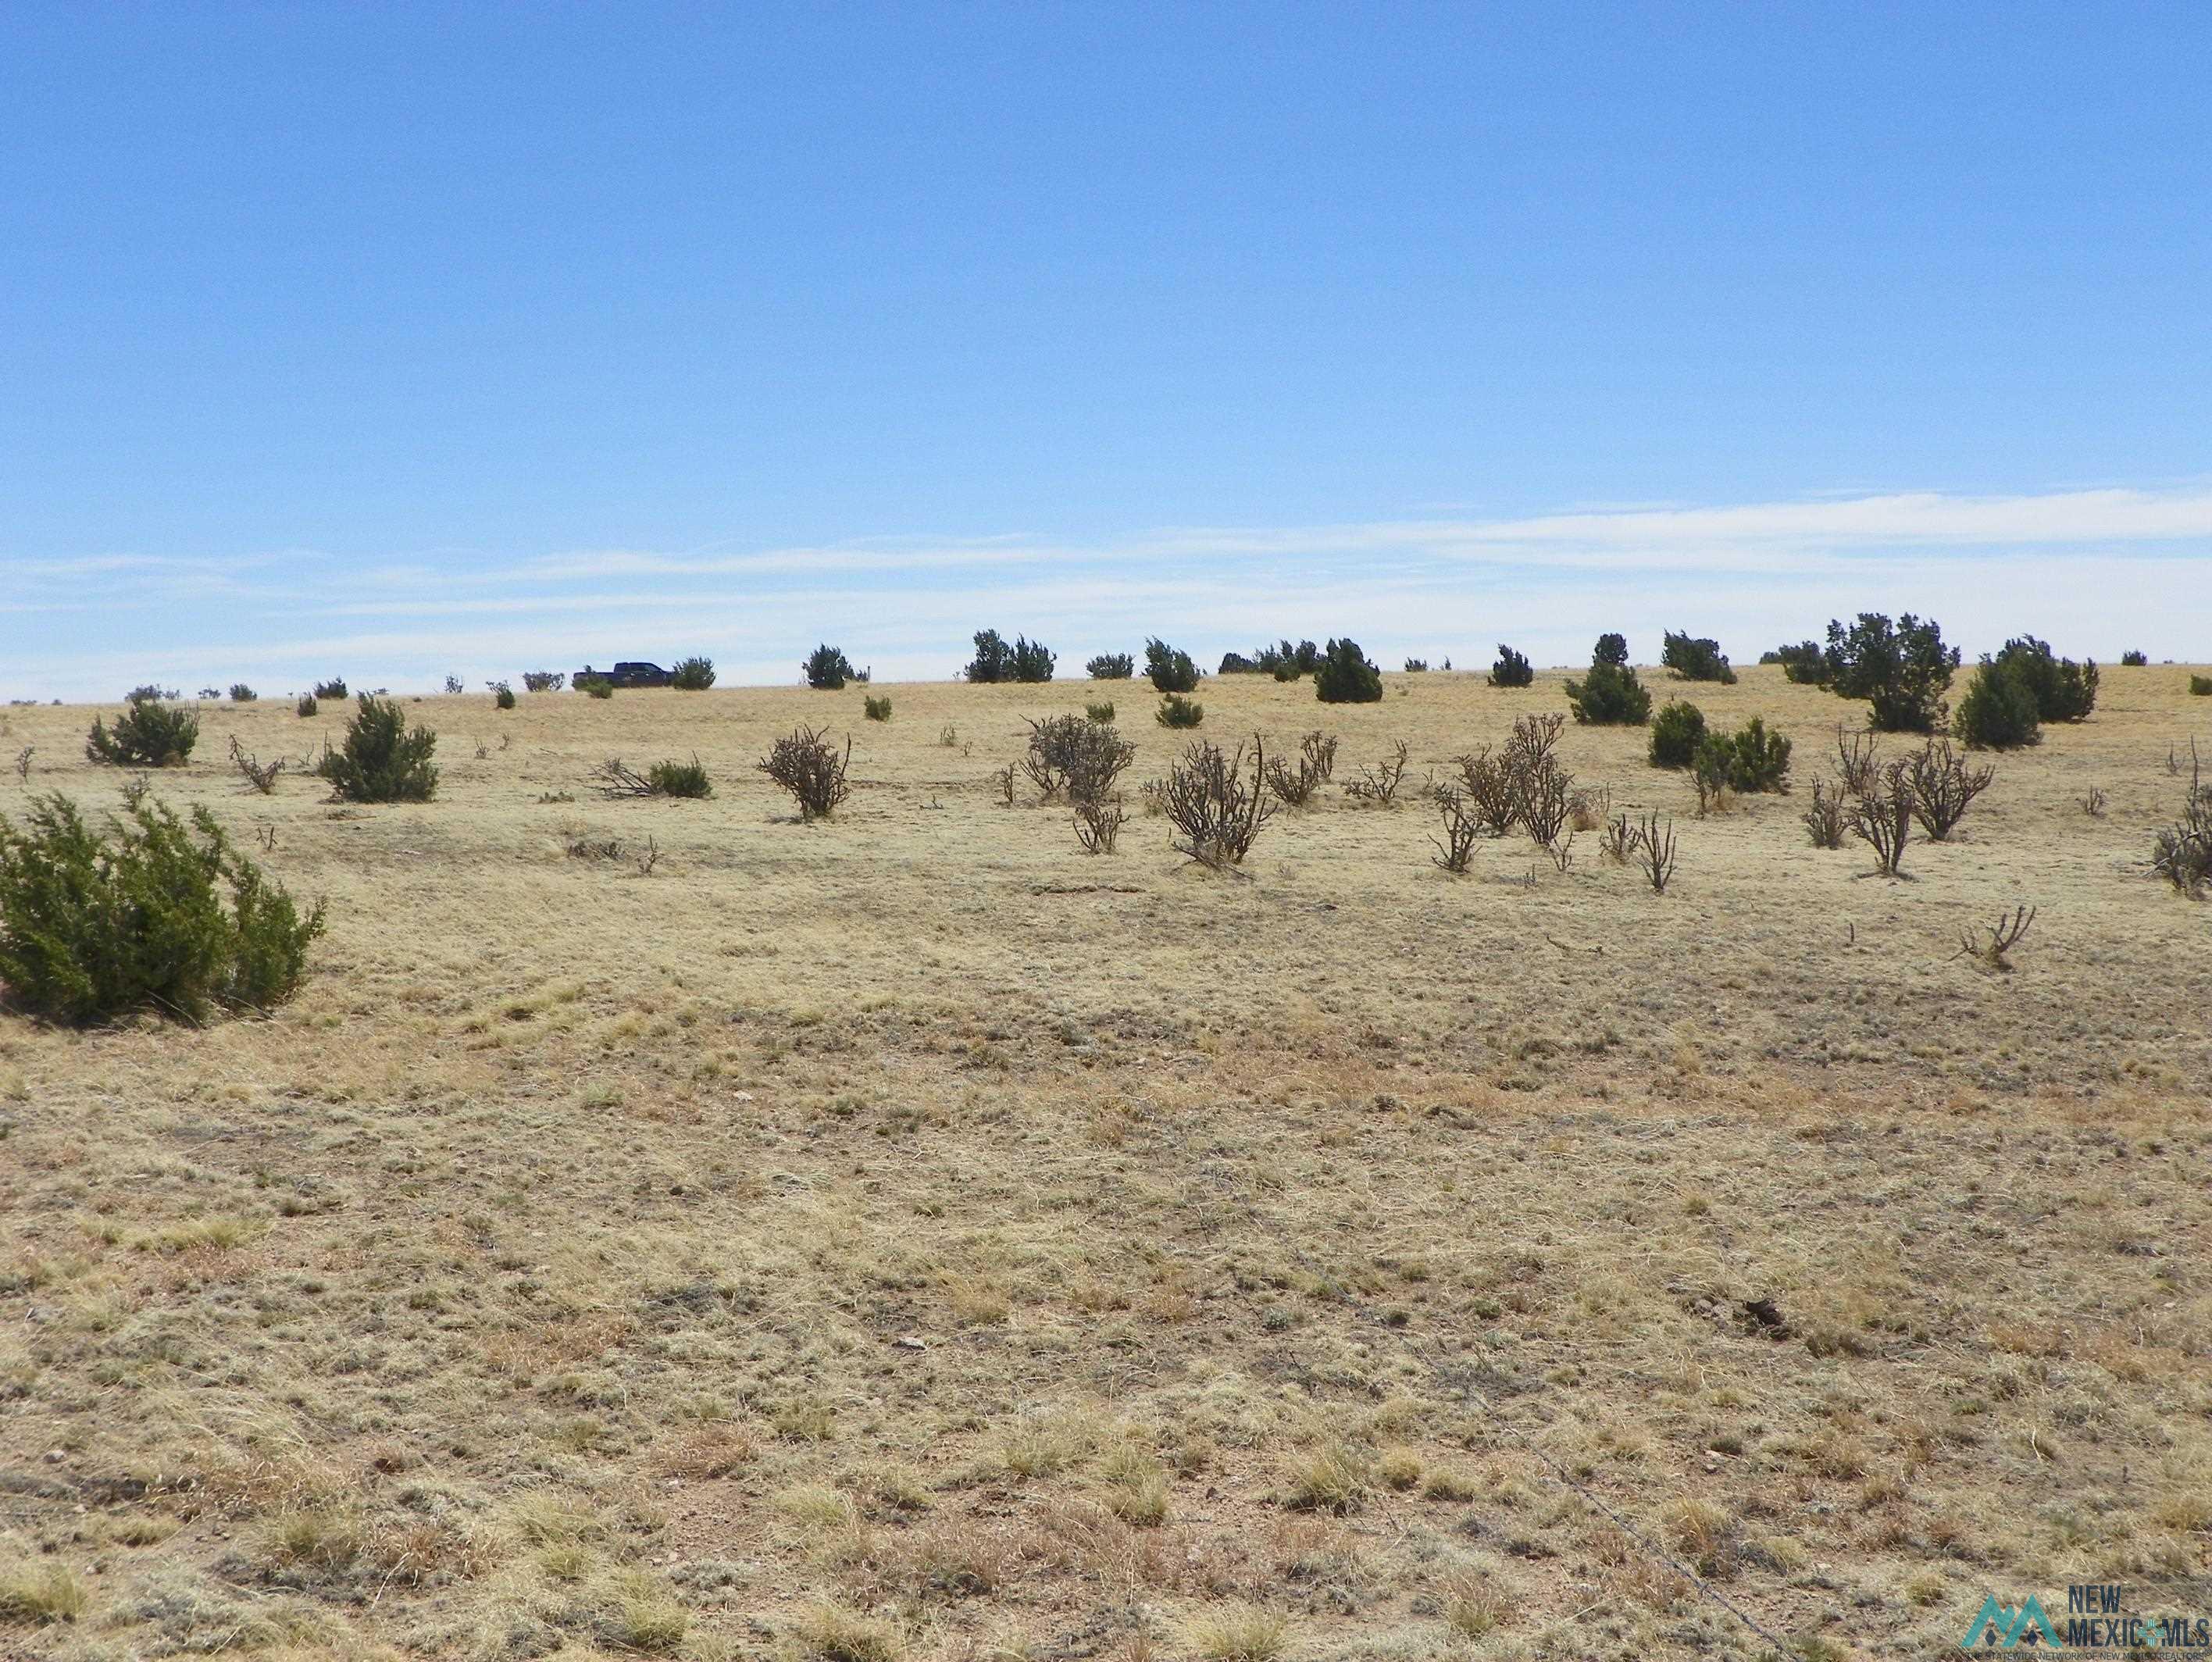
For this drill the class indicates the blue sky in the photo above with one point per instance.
(392, 341)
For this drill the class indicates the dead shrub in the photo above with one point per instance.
(1856, 758)
(2182, 852)
(1486, 787)
(1655, 848)
(1944, 787)
(1076, 755)
(1218, 803)
(262, 776)
(1461, 828)
(1098, 825)
(1294, 785)
(1824, 817)
(805, 763)
(1379, 784)
(1881, 816)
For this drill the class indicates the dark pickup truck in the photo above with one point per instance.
(626, 674)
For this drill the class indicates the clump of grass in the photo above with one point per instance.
(52, 1593)
(877, 709)
(1334, 1477)
(1473, 1606)
(644, 1618)
(1136, 1487)
(1706, 1534)
(838, 1634)
(1239, 1632)
(1399, 1469)
(1446, 1484)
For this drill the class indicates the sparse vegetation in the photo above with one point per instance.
(1111, 666)
(307, 705)
(242, 694)
(595, 685)
(334, 687)
(381, 760)
(1176, 711)
(988, 1236)
(1295, 782)
(2133, 660)
(502, 695)
(545, 680)
(1101, 711)
(95, 923)
(876, 709)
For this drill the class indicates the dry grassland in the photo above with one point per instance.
(905, 1236)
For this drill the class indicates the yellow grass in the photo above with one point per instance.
(905, 1235)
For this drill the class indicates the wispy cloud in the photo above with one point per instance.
(2096, 569)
